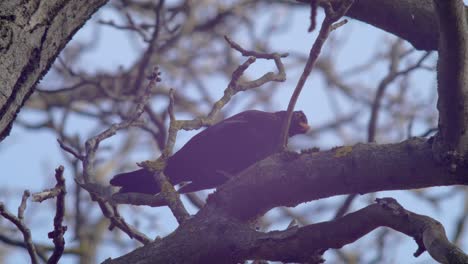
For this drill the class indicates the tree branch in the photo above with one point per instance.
(452, 66)
(46, 26)
(19, 223)
(241, 242)
(331, 17)
(57, 234)
(92, 145)
(293, 245)
(413, 21)
(362, 168)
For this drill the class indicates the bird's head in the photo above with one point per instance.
(299, 124)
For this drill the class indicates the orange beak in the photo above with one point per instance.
(304, 127)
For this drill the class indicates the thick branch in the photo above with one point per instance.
(452, 77)
(287, 179)
(46, 26)
(240, 242)
(413, 21)
(362, 168)
(428, 233)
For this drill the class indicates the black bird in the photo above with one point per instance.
(213, 155)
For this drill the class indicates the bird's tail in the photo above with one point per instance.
(140, 181)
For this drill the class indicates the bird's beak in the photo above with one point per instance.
(304, 127)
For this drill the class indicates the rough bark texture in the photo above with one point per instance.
(32, 35)
(287, 179)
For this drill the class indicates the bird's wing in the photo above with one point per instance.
(228, 146)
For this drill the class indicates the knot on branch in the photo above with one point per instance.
(392, 205)
(57, 232)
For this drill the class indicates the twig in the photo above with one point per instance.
(22, 206)
(172, 133)
(48, 193)
(384, 83)
(338, 24)
(18, 221)
(235, 85)
(147, 55)
(130, 27)
(40, 248)
(70, 150)
(91, 148)
(345, 206)
(313, 15)
(256, 54)
(331, 17)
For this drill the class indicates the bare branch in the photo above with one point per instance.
(91, 147)
(22, 206)
(327, 26)
(313, 14)
(70, 150)
(385, 83)
(57, 234)
(256, 54)
(18, 222)
(428, 233)
(338, 24)
(236, 86)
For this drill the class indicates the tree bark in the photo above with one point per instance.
(32, 35)
(452, 82)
